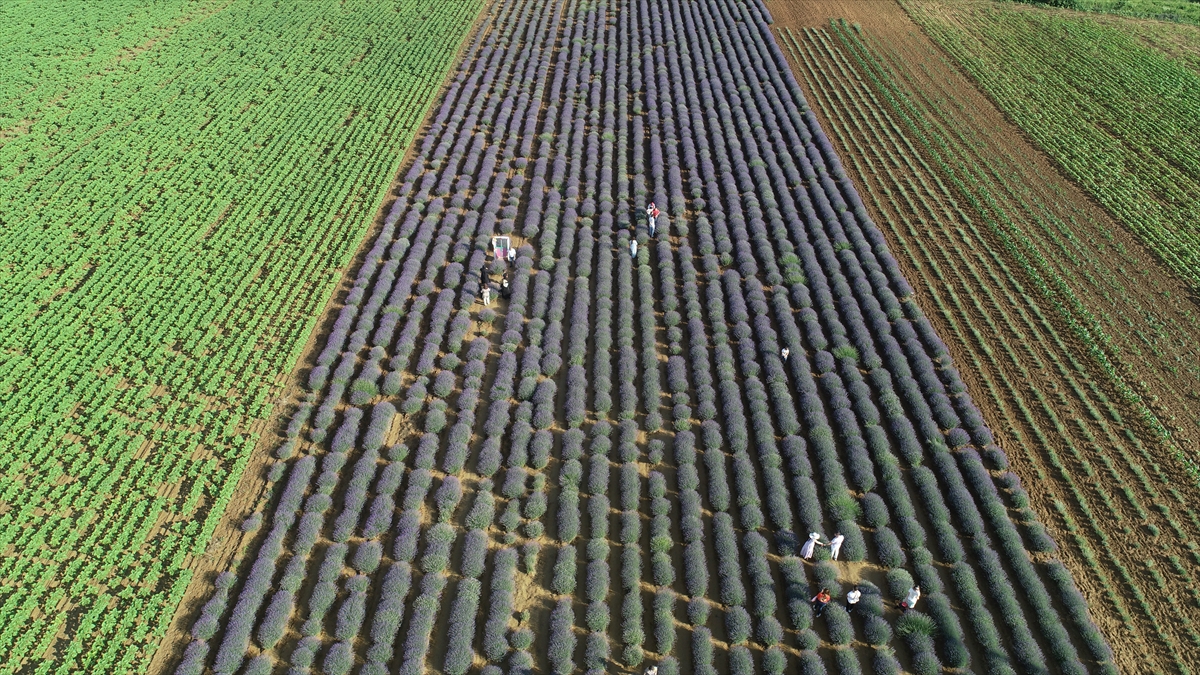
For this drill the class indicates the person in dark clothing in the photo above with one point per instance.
(852, 599)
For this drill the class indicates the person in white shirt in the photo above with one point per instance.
(652, 670)
(633, 248)
(910, 600)
(487, 295)
(784, 353)
(852, 599)
(835, 546)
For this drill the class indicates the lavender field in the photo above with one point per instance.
(615, 464)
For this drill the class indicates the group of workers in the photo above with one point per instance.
(821, 600)
(652, 214)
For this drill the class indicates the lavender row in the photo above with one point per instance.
(349, 615)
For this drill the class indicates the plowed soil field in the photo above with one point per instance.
(1073, 338)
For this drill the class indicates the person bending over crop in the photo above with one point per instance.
(910, 600)
(820, 600)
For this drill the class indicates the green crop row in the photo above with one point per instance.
(181, 184)
(1058, 291)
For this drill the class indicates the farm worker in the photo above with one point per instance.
(633, 248)
(910, 600)
(852, 599)
(820, 600)
(806, 551)
(487, 295)
(835, 545)
(784, 353)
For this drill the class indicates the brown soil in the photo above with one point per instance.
(228, 541)
(1008, 340)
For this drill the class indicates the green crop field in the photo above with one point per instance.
(1180, 11)
(181, 184)
(924, 278)
(1118, 116)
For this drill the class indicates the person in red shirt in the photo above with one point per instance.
(820, 600)
(652, 214)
